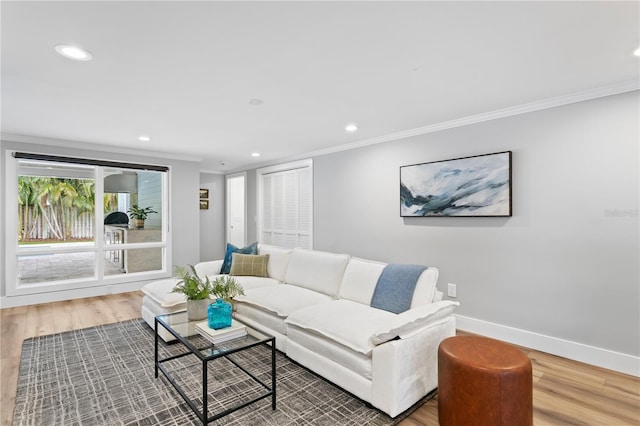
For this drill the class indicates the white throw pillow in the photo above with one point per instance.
(405, 324)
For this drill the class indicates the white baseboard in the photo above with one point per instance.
(623, 363)
(60, 295)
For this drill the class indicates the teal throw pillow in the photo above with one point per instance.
(226, 264)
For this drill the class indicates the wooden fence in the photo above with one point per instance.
(53, 223)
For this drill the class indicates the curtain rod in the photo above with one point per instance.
(91, 162)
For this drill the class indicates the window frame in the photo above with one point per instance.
(12, 250)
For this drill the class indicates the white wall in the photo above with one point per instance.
(565, 265)
(184, 213)
(252, 206)
(150, 195)
(212, 225)
(561, 275)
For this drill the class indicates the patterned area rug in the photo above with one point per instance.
(104, 376)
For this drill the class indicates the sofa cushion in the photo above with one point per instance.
(409, 322)
(282, 299)
(249, 283)
(160, 292)
(425, 289)
(209, 268)
(278, 260)
(266, 319)
(316, 270)
(361, 276)
(157, 309)
(348, 323)
(330, 349)
(226, 264)
(359, 280)
(249, 264)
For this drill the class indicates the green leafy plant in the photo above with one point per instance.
(140, 213)
(191, 285)
(226, 288)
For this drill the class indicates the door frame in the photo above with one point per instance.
(228, 205)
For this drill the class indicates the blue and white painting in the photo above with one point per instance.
(470, 186)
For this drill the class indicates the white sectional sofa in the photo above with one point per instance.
(317, 305)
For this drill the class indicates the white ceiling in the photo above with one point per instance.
(183, 72)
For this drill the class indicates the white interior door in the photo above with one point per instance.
(236, 215)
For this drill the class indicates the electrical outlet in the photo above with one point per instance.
(451, 290)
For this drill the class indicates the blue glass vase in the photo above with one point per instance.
(219, 314)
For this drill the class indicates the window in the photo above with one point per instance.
(72, 226)
(285, 204)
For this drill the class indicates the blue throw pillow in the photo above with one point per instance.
(226, 265)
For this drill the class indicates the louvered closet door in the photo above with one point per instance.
(286, 208)
(267, 210)
(304, 208)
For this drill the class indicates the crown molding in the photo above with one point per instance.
(585, 95)
(62, 143)
(581, 96)
(215, 172)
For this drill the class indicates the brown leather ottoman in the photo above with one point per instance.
(483, 382)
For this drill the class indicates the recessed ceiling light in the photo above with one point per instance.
(637, 52)
(255, 102)
(73, 52)
(255, 154)
(352, 127)
(144, 138)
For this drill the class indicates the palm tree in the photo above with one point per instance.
(27, 198)
(58, 201)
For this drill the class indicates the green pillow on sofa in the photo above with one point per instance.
(249, 264)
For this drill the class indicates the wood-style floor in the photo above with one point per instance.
(565, 392)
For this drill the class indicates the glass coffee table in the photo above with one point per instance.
(206, 352)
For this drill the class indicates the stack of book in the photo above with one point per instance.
(223, 334)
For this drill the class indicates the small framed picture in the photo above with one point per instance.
(204, 194)
(204, 204)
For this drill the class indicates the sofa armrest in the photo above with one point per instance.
(412, 321)
(207, 269)
(405, 370)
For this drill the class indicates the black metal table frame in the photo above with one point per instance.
(203, 414)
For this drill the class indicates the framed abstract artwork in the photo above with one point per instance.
(478, 186)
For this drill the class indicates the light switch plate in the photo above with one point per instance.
(451, 290)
